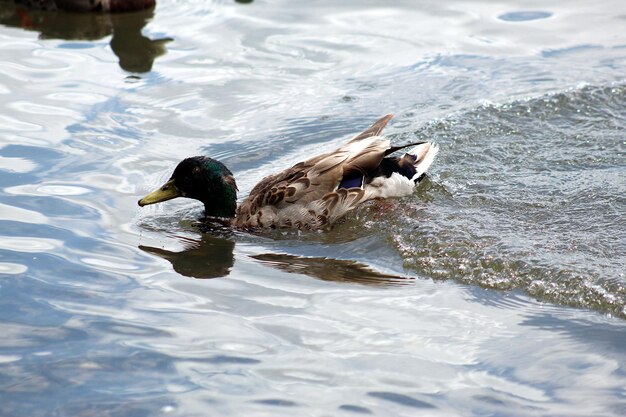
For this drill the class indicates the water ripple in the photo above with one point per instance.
(535, 183)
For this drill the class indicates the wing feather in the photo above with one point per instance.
(375, 129)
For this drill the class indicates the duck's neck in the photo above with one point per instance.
(220, 202)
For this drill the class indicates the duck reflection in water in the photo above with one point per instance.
(212, 257)
(328, 269)
(135, 51)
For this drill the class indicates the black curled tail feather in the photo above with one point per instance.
(403, 165)
(397, 148)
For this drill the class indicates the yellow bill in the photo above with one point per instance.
(166, 192)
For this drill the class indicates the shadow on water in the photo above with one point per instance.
(135, 51)
(609, 337)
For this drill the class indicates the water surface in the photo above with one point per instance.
(497, 288)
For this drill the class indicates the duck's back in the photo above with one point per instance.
(295, 197)
(316, 192)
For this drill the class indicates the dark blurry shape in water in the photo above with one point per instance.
(135, 51)
(211, 257)
(328, 269)
(105, 6)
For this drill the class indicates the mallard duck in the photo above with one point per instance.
(311, 194)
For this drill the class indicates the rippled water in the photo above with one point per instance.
(498, 288)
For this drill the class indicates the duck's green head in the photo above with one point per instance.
(200, 178)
